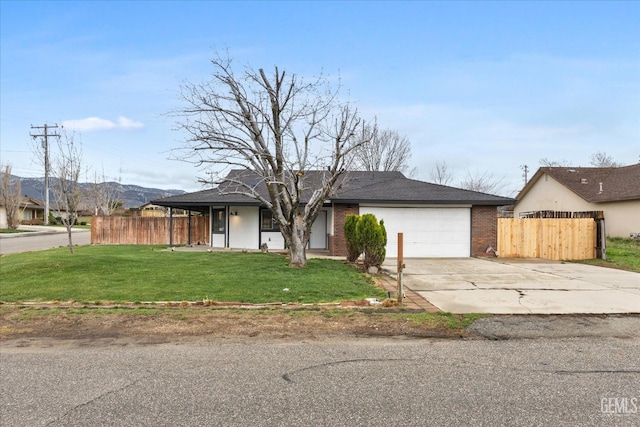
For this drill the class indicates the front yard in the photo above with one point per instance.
(97, 275)
(131, 274)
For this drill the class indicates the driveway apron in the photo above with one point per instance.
(521, 286)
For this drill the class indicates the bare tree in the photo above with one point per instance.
(277, 127)
(483, 182)
(386, 150)
(554, 164)
(104, 197)
(441, 174)
(66, 168)
(10, 197)
(600, 159)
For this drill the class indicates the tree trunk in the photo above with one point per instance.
(297, 251)
(70, 241)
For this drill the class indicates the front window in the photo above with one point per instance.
(267, 222)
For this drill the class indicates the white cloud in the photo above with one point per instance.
(96, 123)
(126, 123)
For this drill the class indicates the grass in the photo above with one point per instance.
(11, 231)
(121, 274)
(621, 253)
(24, 320)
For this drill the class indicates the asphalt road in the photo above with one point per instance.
(36, 241)
(361, 382)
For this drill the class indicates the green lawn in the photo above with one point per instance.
(145, 273)
(11, 231)
(621, 253)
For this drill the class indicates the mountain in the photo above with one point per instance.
(132, 196)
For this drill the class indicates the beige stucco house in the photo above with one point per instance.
(30, 210)
(615, 191)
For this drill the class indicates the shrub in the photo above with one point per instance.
(373, 238)
(354, 246)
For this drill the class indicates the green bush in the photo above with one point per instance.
(354, 246)
(373, 238)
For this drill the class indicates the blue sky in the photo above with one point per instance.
(482, 86)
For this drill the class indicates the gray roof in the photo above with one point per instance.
(618, 184)
(365, 187)
(353, 187)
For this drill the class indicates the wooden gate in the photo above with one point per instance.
(549, 238)
(149, 230)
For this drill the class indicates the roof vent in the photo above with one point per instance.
(601, 190)
(572, 171)
(583, 181)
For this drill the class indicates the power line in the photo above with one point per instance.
(45, 145)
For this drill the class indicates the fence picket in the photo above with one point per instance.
(148, 230)
(549, 238)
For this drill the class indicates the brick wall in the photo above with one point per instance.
(338, 244)
(484, 229)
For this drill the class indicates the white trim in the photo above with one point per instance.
(400, 205)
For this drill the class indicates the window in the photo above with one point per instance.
(267, 223)
(218, 221)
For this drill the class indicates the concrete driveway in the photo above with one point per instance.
(520, 286)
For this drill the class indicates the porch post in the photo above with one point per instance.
(226, 228)
(210, 226)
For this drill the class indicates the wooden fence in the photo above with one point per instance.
(148, 230)
(549, 238)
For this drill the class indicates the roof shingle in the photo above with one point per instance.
(594, 185)
(352, 187)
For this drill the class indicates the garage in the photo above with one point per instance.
(428, 232)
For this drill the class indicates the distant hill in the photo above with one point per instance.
(132, 196)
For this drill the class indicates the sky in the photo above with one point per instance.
(485, 87)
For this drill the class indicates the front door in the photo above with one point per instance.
(218, 228)
(318, 239)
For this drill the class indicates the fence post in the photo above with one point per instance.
(603, 240)
(400, 267)
(170, 227)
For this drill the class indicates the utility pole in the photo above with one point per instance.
(525, 168)
(45, 145)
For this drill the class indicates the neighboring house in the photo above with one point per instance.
(31, 210)
(151, 210)
(615, 191)
(437, 221)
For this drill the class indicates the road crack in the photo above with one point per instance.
(99, 397)
(287, 376)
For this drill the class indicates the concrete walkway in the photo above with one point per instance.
(502, 286)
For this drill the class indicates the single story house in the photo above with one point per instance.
(614, 191)
(151, 210)
(31, 210)
(436, 220)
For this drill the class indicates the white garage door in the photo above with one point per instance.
(428, 232)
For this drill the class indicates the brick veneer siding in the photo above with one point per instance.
(484, 229)
(337, 242)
